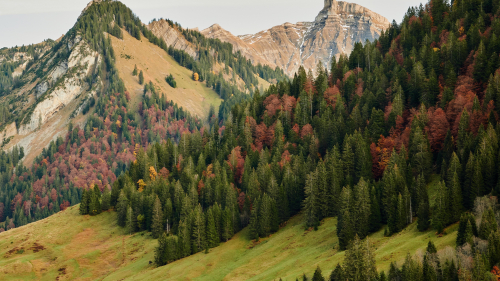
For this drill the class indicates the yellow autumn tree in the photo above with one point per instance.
(196, 77)
(141, 184)
(152, 173)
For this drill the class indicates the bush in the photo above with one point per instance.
(171, 81)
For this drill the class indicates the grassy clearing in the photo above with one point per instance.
(156, 65)
(69, 246)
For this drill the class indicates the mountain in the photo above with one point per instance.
(335, 31)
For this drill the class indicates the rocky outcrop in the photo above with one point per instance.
(172, 37)
(81, 61)
(41, 89)
(334, 32)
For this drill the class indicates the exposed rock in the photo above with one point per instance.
(9, 131)
(41, 88)
(82, 59)
(59, 71)
(172, 37)
(335, 31)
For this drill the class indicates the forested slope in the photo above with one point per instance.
(360, 142)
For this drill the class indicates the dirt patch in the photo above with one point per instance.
(37, 248)
(13, 251)
(62, 272)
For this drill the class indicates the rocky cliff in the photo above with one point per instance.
(334, 31)
(163, 30)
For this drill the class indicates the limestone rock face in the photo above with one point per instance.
(82, 60)
(334, 31)
(41, 88)
(172, 37)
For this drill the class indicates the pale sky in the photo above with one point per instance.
(32, 21)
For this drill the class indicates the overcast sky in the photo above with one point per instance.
(32, 21)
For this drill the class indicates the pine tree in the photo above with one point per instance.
(157, 219)
(440, 214)
(423, 211)
(122, 208)
(141, 78)
(212, 239)
(362, 208)
(455, 197)
(337, 274)
(84, 204)
(254, 220)
(95, 201)
(106, 200)
(359, 261)
(160, 258)
(345, 225)
(311, 202)
(488, 224)
(429, 273)
(318, 276)
(198, 230)
(375, 215)
(131, 220)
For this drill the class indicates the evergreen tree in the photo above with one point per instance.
(311, 202)
(198, 230)
(359, 261)
(423, 211)
(157, 219)
(84, 203)
(134, 73)
(362, 208)
(122, 208)
(131, 220)
(337, 274)
(212, 239)
(345, 225)
(318, 276)
(440, 213)
(95, 201)
(141, 78)
(106, 200)
(488, 224)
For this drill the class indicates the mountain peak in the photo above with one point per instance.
(92, 2)
(330, 5)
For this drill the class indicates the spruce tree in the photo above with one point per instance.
(106, 199)
(122, 208)
(141, 78)
(254, 220)
(84, 204)
(362, 208)
(345, 225)
(157, 219)
(375, 220)
(488, 224)
(198, 230)
(160, 251)
(212, 239)
(440, 214)
(423, 212)
(311, 202)
(318, 276)
(337, 274)
(95, 201)
(131, 220)
(359, 261)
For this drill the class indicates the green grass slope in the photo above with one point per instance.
(68, 246)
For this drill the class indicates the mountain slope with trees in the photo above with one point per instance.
(361, 141)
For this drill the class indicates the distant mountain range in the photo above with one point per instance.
(288, 46)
